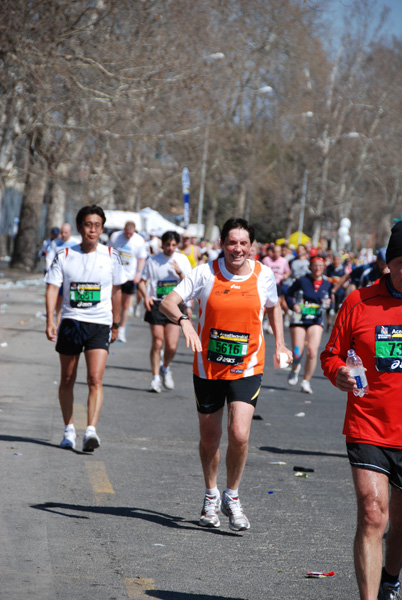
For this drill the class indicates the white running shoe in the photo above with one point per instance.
(306, 387)
(90, 441)
(167, 378)
(210, 511)
(137, 312)
(121, 337)
(69, 439)
(232, 508)
(294, 375)
(155, 386)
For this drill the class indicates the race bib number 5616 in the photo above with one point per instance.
(227, 347)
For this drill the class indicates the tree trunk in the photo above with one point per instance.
(241, 201)
(210, 218)
(57, 207)
(26, 243)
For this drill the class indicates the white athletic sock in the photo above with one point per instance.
(90, 429)
(122, 330)
(232, 493)
(212, 492)
(69, 427)
(156, 378)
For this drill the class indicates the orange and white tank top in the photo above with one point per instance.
(231, 310)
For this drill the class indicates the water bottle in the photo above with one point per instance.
(299, 297)
(356, 369)
(324, 301)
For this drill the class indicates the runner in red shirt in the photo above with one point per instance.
(370, 322)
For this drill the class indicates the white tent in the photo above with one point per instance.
(116, 219)
(197, 231)
(154, 223)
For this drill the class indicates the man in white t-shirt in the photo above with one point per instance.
(163, 272)
(90, 276)
(133, 253)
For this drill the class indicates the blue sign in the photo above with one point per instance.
(185, 181)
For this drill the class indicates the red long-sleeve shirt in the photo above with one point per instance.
(370, 322)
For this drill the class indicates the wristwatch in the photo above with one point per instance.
(115, 325)
(183, 317)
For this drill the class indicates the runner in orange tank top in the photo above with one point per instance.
(229, 355)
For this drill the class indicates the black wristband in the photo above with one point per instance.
(115, 325)
(183, 317)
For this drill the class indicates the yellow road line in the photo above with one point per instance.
(135, 588)
(97, 476)
(80, 416)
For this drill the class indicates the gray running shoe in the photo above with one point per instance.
(389, 591)
(232, 508)
(210, 511)
(90, 441)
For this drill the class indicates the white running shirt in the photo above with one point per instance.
(87, 280)
(130, 251)
(161, 276)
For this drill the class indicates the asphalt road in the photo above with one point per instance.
(122, 522)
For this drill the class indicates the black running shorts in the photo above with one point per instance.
(128, 288)
(155, 317)
(377, 458)
(211, 394)
(76, 336)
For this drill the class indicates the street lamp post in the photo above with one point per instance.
(302, 207)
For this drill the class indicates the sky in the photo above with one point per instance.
(393, 24)
(394, 21)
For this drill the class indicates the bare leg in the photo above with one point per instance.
(96, 362)
(125, 307)
(393, 546)
(172, 334)
(240, 416)
(69, 365)
(158, 336)
(210, 437)
(372, 517)
(314, 334)
(298, 335)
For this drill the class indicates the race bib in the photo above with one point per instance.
(125, 254)
(227, 347)
(311, 310)
(388, 348)
(163, 288)
(84, 295)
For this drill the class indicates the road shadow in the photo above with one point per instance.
(126, 368)
(274, 450)
(165, 595)
(165, 520)
(28, 440)
(116, 387)
(277, 388)
(23, 329)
